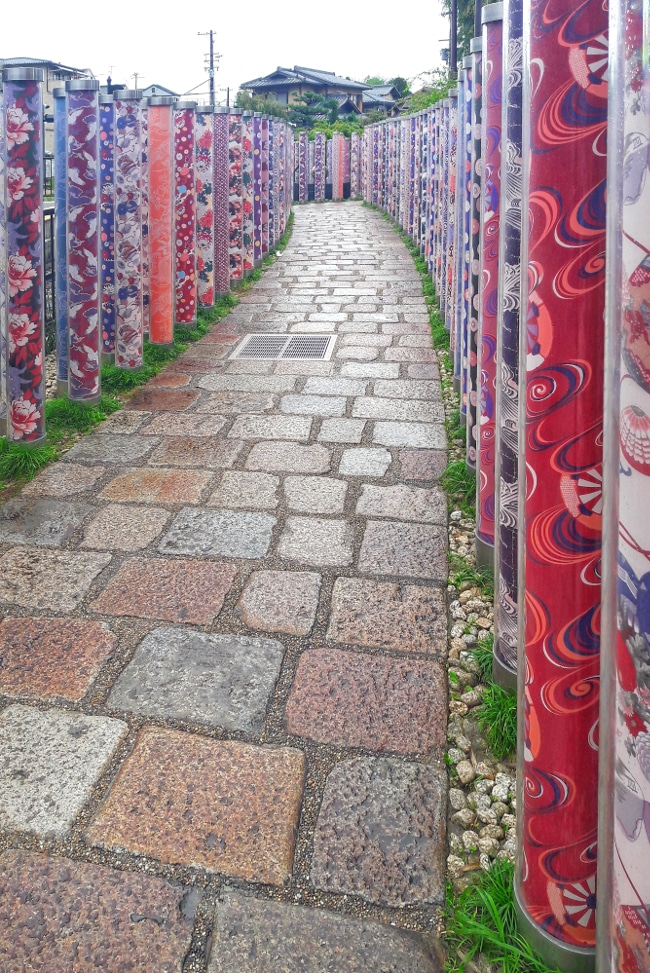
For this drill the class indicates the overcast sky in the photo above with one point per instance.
(352, 39)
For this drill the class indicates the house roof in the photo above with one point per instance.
(284, 77)
(382, 91)
(373, 100)
(39, 62)
(159, 89)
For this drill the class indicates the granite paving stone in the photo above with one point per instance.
(85, 917)
(341, 431)
(270, 427)
(212, 350)
(118, 527)
(335, 386)
(248, 383)
(199, 366)
(371, 341)
(256, 490)
(313, 327)
(357, 700)
(398, 410)
(380, 832)
(354, 369)
(404, 327)
(281, 601)
(414, 341)
(313, 405)
(63, 480)
(414, 434)
(357, 327)
(52, 657)
(358, 353)
(45, 522)
(124, 422)
(225, 806)
(311, 540)
(199, 451)
(213, 533)
(423, 372)
(315, 494)
(172, 591)
(162, 400)
(232, 403)
(263, 936)
(220, 680)
(408, 389)
(410, 550)
(289, 458)
(411, 354)
(318, 368)
(403, 503)
(422, 464)
(184, 424)
(110, 448)
(49, 762)
(48, 580)
(365, 461)
(170, 380)
(158, 486)
(386, 615)
(244, 366)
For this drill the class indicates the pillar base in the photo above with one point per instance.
(462, 418)
(484, 553)
(503, 675)
(456, 384)
(554, 952)
(61, 387)
(162, 344)
(108, 358)
(92, 401)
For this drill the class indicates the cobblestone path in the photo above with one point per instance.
(222, 653)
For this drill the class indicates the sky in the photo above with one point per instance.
(253, 38)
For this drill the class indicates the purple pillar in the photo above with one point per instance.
(205, 205)
(221, 200)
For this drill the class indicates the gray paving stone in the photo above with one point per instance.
(380, 832)
(408, 389)
(281, 601)
(303, 368)
(313, 405)
(357, 327)
(115, 449)
(328, 317)
(335, 386)
(263, 936)
(315, 494)
(370, 370)
(48, 580)
(45, 522)
(197, 451)
(184, 424)
(247, 383)
(410, 550)
(235, 402)
(358, 353)
(403, 503)
(379, 318)
(341, 430)
(256, 490)
(63, 480)
(398, 410)
(244, 367)
(364, 461)
(289, 457)
(319, 542)
(118, 527)
(123, 422)
(270, 427)
(49, 763)
(313, 327)
(208, 533)
(367, 340)
(417, 435)
(221, 680)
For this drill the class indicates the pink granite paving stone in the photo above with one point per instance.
(222, 805)
(47, 580)
(118, 527)
(52, 657)
(173, 591)
(170, 380)
(357, 700)
(199, 451)
(281, 601)
(422, 464)
(158, 486)
(164, 400)
(64, 479)
(66, 915)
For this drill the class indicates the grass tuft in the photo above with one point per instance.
(21, 462)
(460, 483)
(497, 718)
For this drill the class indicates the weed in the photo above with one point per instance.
(482, 653)
(64, 416)
(460, 484)
(497, 718)
(21, 462)
(482, 919)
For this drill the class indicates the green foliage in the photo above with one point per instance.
(248, 102)
(497, 718)
(63, 417)
(460, 483)
(465, 25)
(482, 919)
(401, 84)
(21, 462)
(436, 89)
(374, 81)
(311, 108)
(344, 126)
(482, 653)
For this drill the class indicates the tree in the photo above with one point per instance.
(310, 108)
(465, 14)
(269, 106)
(374, 81)
(402, 86)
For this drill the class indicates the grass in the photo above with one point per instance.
(497, 719)
(460, 483)
(482, 920)
(21, 462)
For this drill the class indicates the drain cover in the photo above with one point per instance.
(276, 347)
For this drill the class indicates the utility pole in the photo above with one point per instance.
(212, 58)
(135, 76)
(453, 40)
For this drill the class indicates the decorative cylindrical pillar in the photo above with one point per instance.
(265, 185)
(83, 243)
(563, 237)
(489, 276)
(161, 220)
(624, 820)
(319, 167)
(144, 181)
(107, 222)
(467, 237)
(128, 230)
(247, 193)
(302, 166)
(355, 165)
(235, 197)
(450, 276)
(185, 290)
(3, 272)
(205, 205)
(220, 121)
(504, 663)
(346, 148)
(476, 45)
(257, 188)
(281, 164)
(272, 179)
(24, 324)
(61, 238)
(462, 202)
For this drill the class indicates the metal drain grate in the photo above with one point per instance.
(276, 347)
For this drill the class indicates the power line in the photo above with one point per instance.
(212, 57)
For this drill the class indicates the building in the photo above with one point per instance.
(287, 85)
(381, 97)
(158, 91)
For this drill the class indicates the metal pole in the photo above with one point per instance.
(453, 39)
(212, 68)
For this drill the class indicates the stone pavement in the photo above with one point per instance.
(222, 674)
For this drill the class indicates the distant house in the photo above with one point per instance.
(381, 97)
(287, 85)
(55, 75)
(158, 91)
